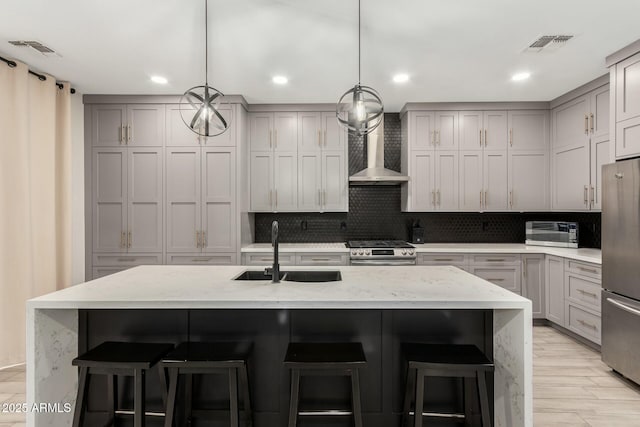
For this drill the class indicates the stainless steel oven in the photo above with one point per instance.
(381, 252)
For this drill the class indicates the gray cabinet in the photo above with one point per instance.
(627, 107)
(480, 130)
(179, 135)
(265, 259)
(580, 148)
(504, 270)
(133, 124)
(201, 208)
(533, 283)
(528, 180)
(582, 291)
(554, 289)
(528, 129)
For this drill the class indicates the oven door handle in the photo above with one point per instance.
(383, 262)
(624, 306)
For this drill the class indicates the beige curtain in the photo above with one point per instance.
(35, 201)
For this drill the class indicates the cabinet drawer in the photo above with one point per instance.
(217, 259)
(266, 258)
(506, 277)
(495, 259)
(129, 260)
(583, 291)
(459, 260)
(584, 269)
(322, 259)
(583, 323)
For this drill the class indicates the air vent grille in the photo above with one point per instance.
(43, 49)
(548, 43)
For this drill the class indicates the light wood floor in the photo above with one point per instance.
(571, 387)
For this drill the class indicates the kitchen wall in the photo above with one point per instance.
(374, 213)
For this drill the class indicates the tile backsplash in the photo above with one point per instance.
(374, 213)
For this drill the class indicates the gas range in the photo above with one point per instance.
(381, 252)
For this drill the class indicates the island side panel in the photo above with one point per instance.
(513, 392)
(52, 343)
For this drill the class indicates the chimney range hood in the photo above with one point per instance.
(375, 173)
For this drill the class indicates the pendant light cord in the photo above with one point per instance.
(359, 43)
(206, 43)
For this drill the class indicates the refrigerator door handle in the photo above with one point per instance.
(624, 306)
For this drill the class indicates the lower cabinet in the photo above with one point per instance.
(106, 264)
(554, 289)
(533, 279)
(455, 259)
(265, 259)
(202, 259)
(503, 270)
(322, 258)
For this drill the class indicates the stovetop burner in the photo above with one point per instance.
(375, 244)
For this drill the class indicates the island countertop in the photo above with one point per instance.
(213, 287)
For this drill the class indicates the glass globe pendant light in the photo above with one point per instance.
(360, 109)
(201, 107)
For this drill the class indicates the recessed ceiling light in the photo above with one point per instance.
(401, 78)
(280, 80)
(159, 79)
(518, 77)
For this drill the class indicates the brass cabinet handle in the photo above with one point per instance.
(486, 198)
(511, 198)
(126, 259)
(511, 137)
(586, 124)
(204, 239)
(480, 199)
(485, 137)
(120, 134)
(201, 259)
(122, 238)
(495, 260)
(593, 196)
(266, 259)
(129, 133)
(129, 241)
(588, 270)
(591, 294)
(592, 122)
(197, 239)
(443, 259)
(588, 325)
(321, 259)
(495, 280)
(480, 137)
(586, 197)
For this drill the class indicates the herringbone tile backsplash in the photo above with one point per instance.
(374, 213)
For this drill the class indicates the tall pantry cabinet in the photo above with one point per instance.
(156, 192)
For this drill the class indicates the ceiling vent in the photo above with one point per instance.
(41, 48)
(548, 43)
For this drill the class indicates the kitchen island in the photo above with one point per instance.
(375, 305)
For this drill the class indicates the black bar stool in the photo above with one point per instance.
(446, 360)
(197, 358)
(119, 358)
(339, 359)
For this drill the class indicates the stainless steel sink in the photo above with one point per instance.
(257, 275)
(294, 276)
(312, 276)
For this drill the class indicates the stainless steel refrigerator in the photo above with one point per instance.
(621, 267)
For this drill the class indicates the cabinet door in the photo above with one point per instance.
(421, 130)
(446, 180)
(177, 132)
(309, 181)
(471, 180)
(183, 182)
(285, 180)
(554, 289)
(505, 277)
(423, 197)
(495, 180)
(285, 131)
(218, 199)
(228, 138)
(446, 130)
(471, 129)
(145, 125)
(528, 130)
(261, 184)
(533, 286)
(334, 182)
(528, 180)
(144, 207)
(600, 114)
(570, 177)
(335, 136)
(310, 137)
(109, 199)
(107, 123)
(261, 131)
(628, 88)
(628, 138)
(495, 130)
(571, 123)
(600, 155)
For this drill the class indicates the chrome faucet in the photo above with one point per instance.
(275, 270)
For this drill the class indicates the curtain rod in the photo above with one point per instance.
(40, 77)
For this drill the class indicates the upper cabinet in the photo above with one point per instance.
(179, 135)
(580, 136)
(297, 162)
(480, 130)
(433, 130)
(624, 74)
(134, 124)
(528, 130)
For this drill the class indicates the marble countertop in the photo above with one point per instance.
(212, 287)
(582, 254)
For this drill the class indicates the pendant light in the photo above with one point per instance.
(360, 109)
(201, 106)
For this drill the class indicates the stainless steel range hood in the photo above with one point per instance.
(375, 173)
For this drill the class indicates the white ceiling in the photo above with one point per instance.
(453, 50)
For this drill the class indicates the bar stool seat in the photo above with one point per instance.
(341, 359)
(446, 360)
(197, 358)
(113, 358)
